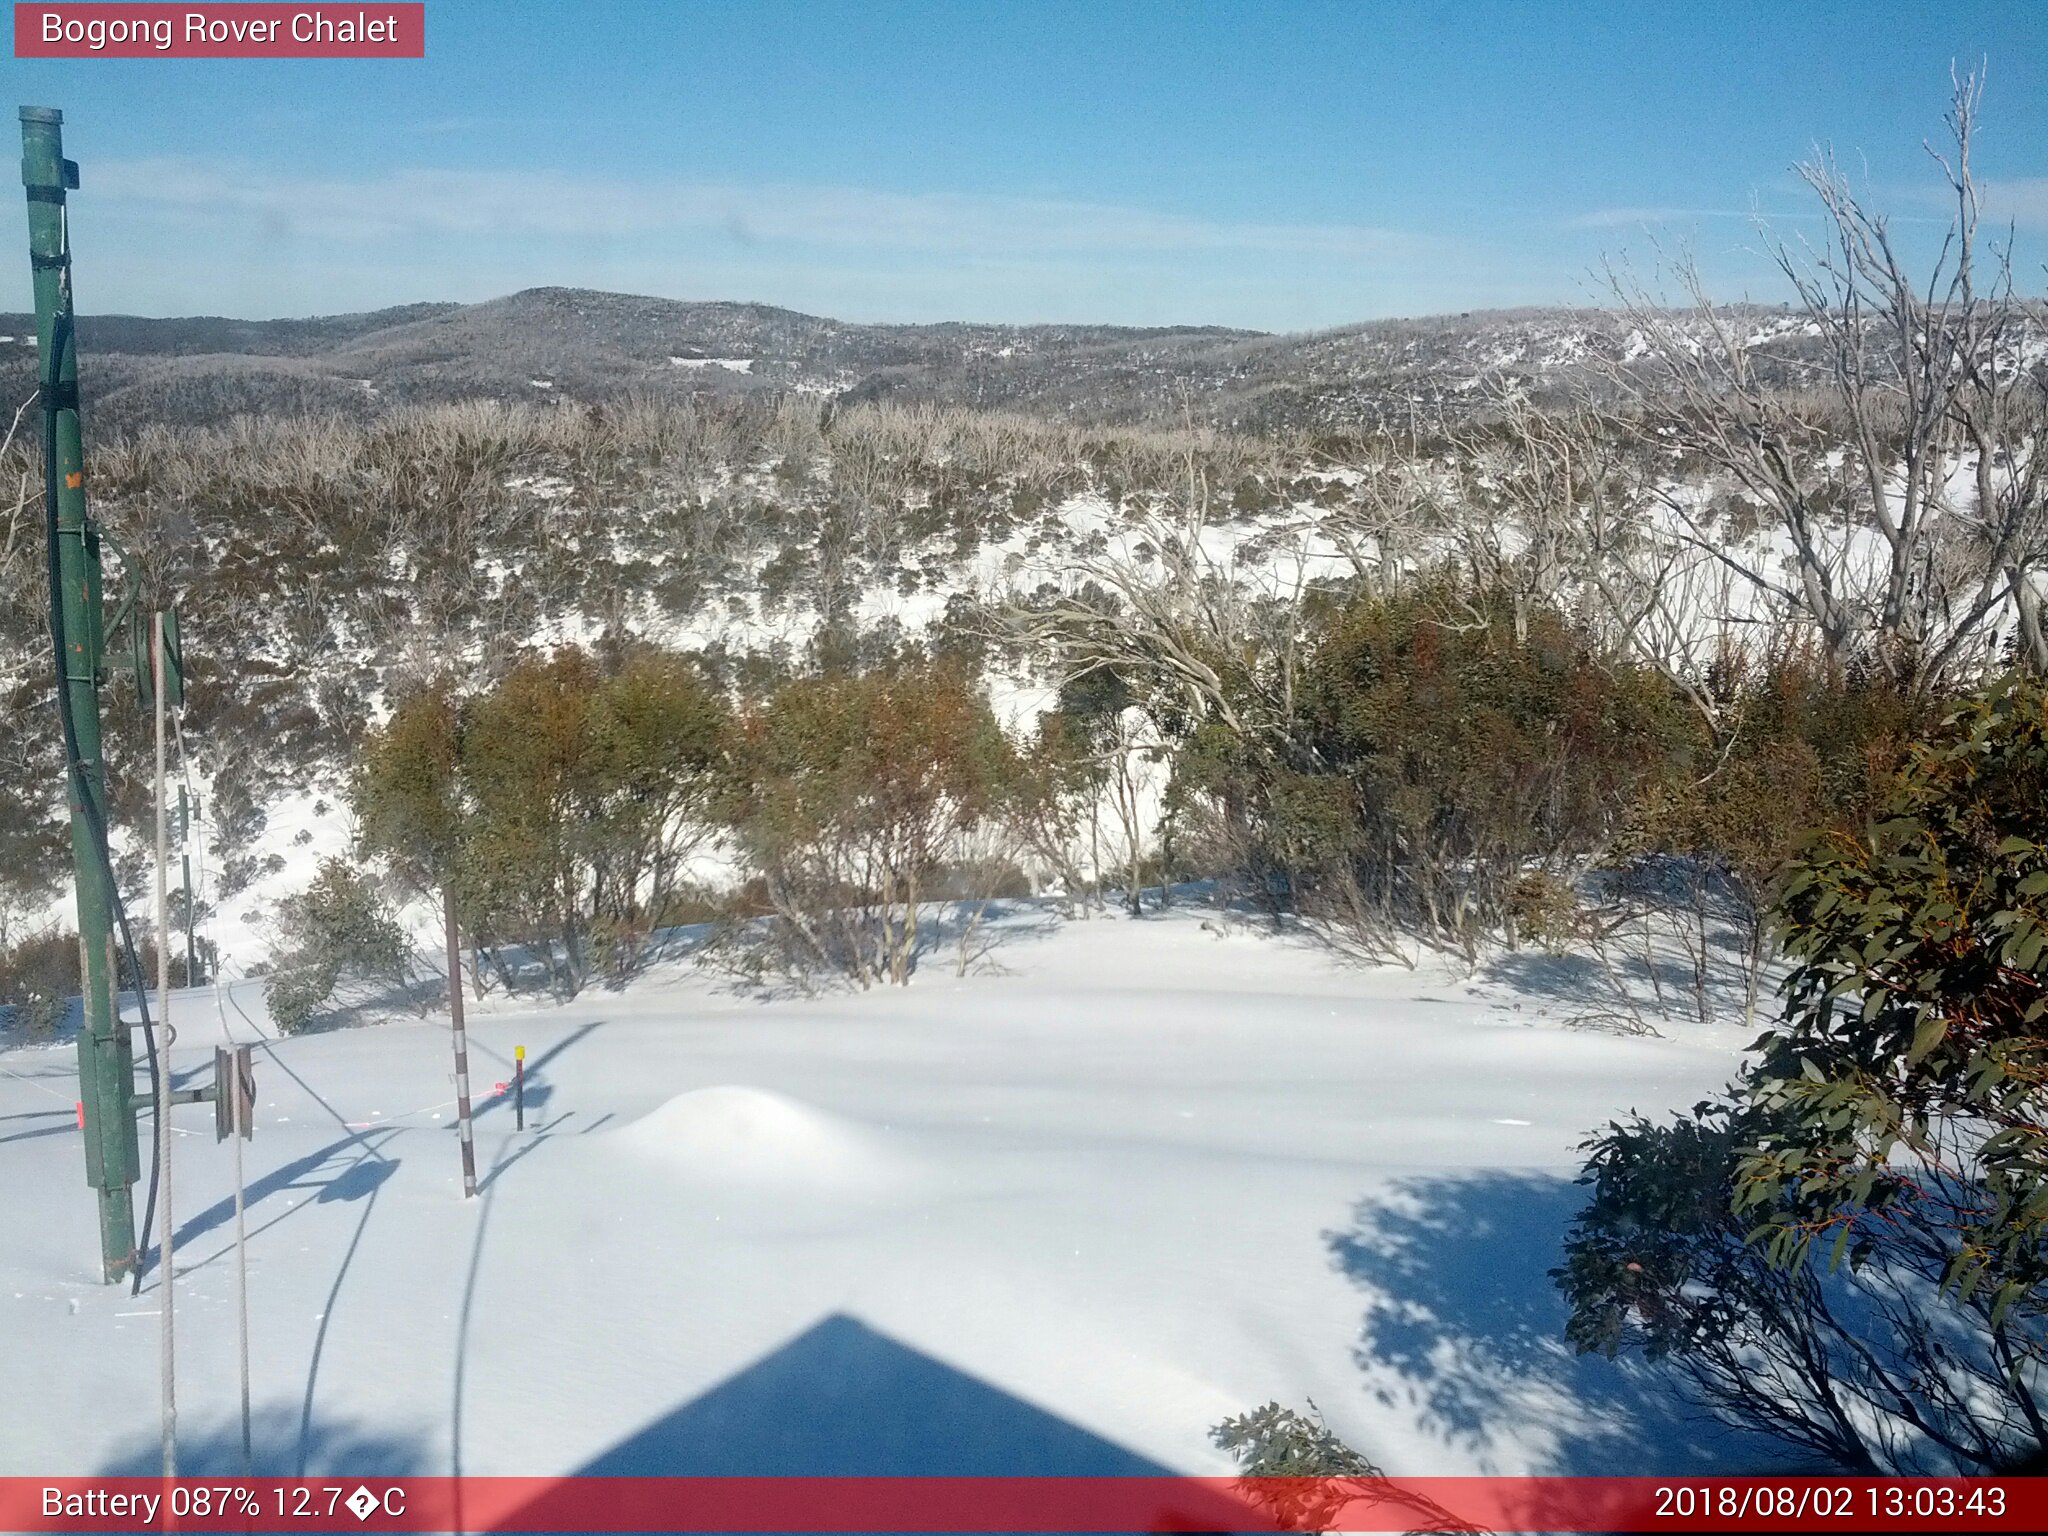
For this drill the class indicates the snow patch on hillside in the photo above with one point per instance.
(729, 364)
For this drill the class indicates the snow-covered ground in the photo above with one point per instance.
(1064, 1214)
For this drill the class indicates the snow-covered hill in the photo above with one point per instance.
(582, 346)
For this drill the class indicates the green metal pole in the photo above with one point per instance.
(106, 1067)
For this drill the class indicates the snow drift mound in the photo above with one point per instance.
(735, 1133)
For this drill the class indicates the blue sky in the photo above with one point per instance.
(1283, 166)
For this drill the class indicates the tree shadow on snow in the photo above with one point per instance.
(1238, 908)
(280, 1448)
(358, 1001)
(1465, 1330)
(524, 971)
(985, 933)
(760, 964)
(68, 1127)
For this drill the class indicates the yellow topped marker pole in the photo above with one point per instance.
(519, 1087)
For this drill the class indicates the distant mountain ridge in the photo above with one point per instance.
(587, 346)
(140, 336)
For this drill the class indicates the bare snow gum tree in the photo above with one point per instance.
(1886, 432)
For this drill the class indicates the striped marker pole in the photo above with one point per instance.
(461, 1045)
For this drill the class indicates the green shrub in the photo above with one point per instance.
(1913, 1060)
(846, 794)
(1806, 747)
(1296, 1470)
(1449, 745)
(38, 979)
(560, 805)
(1850, 1249)
(295, 995)
(339, 926)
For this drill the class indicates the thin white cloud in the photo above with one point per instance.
(2029, 198)
(2022, 200)
(551, 204)
(1630, 218)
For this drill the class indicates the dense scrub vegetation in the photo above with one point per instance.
(559, 810)
(1456, 769)
(1849, 1247)
(325, 565)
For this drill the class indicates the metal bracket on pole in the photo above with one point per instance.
(137, 657)
(234, 1093)
(174, 662)
(124, 615)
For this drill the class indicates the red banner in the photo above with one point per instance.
(97, 30)
(1061, 1504)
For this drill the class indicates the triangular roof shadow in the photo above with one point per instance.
(841, 1400)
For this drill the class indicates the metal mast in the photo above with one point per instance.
(106, 1068)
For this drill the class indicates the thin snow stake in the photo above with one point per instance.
(160, 695)
(185, 857)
